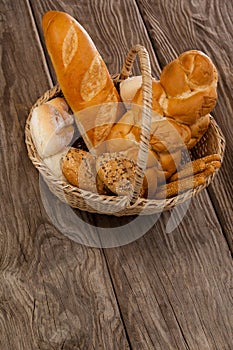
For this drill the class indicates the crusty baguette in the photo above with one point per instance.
(82, 75)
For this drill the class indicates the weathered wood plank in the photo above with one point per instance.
(175, 289)
(169, 294)
(177, 26)
(54, 294)
(114, 26)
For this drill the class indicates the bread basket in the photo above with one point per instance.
(212, 142)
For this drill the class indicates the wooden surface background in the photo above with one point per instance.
(161, 292)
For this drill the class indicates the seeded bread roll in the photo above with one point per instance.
(79, 168)
(82, 75)
(117, 171)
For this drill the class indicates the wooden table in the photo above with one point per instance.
(160, 292)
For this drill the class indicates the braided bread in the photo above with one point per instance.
(186, 92)
(190, 84)
(182, 101)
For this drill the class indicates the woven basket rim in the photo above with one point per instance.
(164, 204)
(150, 205)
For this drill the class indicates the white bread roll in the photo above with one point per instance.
(52, 129)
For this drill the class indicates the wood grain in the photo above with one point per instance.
(54, 293)
(164, 291)
(173, 298)
(175, 289)
(206, 26)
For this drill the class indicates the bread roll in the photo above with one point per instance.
(166, 134)
(79, 168)
(168, 163)
(54, 163)
(128, 89)
(158, 97)
(194, 92)
(117, 171)
(82, 76)
(60, 104)
(186, 93)
(51, 128)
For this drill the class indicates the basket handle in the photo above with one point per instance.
(146, 112)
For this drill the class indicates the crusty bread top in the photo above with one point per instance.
(191, 71)
(80, 70)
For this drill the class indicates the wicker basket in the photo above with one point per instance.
(212, 142)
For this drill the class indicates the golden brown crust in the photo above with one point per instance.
(168, 164)
(117, 171)
(198, 129)
(179, 186)
(80, 70)
(79, 169)
(158, 97)
(190, 168)
(189, 176)
(194, 92)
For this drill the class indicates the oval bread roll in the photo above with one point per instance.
(51, 128)
(79, 168)
(117, 171)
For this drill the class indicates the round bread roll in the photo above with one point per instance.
(60, 104)
(51, 128)
(117, 172)
(79, 168)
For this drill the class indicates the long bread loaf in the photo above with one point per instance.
(82, 75)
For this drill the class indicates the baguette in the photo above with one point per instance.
(82, 75)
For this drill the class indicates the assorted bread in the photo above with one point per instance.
(181, 102)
